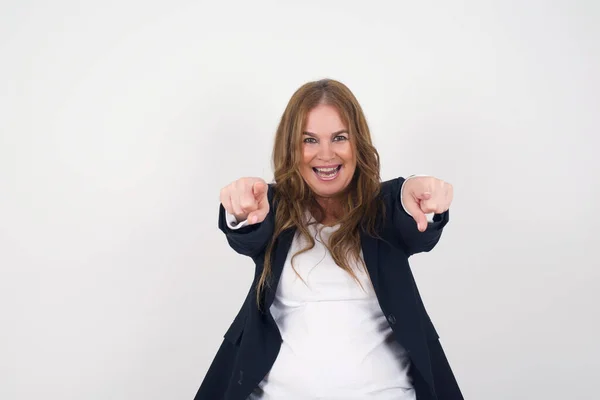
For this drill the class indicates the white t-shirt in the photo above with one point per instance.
(337, 343)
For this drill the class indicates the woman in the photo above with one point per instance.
(333, 311)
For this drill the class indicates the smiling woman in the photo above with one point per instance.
(333, 311)
(328, 161)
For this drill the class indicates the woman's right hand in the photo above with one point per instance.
(246, 198)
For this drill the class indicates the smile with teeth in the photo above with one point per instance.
(327, 173)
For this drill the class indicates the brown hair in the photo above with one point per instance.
(293, 197)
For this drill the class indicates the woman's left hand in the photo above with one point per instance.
(425, 194)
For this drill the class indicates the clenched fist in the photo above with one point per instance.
(425, 194)
(246, 198)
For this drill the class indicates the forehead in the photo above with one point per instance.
(323, 120)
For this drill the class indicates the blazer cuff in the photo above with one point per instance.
(232, 222)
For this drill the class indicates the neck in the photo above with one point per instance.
(332, 208)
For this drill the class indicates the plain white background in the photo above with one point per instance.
(121, 120)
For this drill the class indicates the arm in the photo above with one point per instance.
(412, 240)
(248, 240)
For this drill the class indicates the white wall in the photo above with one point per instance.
(121, 120)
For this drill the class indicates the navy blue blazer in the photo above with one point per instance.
(252, 342)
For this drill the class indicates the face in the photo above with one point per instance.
(328, 161)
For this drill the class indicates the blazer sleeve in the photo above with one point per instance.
(405, 227)
(250, 240)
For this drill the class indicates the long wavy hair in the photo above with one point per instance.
(360, 203)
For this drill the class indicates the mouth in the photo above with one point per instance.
(327, 173)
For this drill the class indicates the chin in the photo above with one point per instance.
(322, 190)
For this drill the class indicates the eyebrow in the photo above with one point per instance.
(333, 134)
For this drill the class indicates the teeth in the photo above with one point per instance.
(326, 170)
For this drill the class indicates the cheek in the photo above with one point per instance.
(348, 154)
(350, 160)
(307, 155)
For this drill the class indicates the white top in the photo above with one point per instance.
(336, 341)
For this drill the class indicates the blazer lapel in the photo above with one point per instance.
(370, 254)
(284, 242)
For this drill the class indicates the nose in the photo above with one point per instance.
(325, 152)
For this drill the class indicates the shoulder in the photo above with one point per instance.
(390, 189)
(271, 191)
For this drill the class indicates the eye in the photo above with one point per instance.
(339, 138)
(309, 140)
